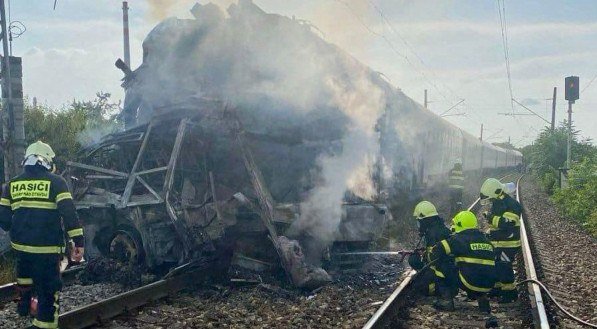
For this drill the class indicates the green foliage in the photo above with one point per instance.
(548, 154)
(67, 129)
(579, 199)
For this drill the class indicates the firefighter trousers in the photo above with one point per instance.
(505, 272)
(39, 274)
(455, 201)
(442, 277)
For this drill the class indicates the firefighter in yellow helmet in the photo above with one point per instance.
(35, 206)
(474, 257)
(504, 234)
(432, 229)
(456, 186)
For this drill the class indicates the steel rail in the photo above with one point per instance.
(385, 313)
(537, 305)
(98, 312)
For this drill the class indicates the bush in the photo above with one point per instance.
(579, 199)
(549, 181)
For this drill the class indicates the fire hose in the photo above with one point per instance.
(547, 292)
(560, 307)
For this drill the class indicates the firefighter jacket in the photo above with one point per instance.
(433, 230)
(456, 178)
(504, 222)
(31, 208)
(474, 257)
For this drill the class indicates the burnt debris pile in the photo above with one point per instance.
(249, 140)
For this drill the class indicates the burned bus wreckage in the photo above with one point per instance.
(250, 139)
(186, 185)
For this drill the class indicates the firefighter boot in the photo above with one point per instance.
(483, 303)
(445, 300)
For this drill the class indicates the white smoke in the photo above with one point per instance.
(350, 170)
(249, 56)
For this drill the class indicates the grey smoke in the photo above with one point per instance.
(279, 74)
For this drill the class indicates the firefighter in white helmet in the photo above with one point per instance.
(35, 206)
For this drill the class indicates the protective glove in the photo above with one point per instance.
(414, 260)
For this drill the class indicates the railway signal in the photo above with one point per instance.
(572, 90)
(571, 95)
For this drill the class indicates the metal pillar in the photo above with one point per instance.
(553, 109)
(125, 32)
(13, 133)
(569, 144)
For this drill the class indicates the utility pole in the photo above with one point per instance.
(13, 131)
(125, 32)
(426, 100)
(553, 109)
(481, 138)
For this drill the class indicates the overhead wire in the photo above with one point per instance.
(504, 31)
(392, 29)
(392, 47)
(588, 84)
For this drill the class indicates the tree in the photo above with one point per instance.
(578, 201)
(548, 153)
(68, 129)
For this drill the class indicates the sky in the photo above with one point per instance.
(454, 49)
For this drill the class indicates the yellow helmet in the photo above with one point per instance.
(424, 209)
(464, 220)
(491, 189)
(41, 149)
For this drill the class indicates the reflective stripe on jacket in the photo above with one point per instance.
(34, 206)
(504, 222)
(474, 257)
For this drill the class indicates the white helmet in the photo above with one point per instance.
(39, 153)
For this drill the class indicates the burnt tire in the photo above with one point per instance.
(126, 245)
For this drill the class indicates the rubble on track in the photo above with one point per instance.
(106, 270)
(346, 303)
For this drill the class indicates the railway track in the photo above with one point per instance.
(401, 309)
(404, 309)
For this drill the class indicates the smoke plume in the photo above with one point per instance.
(280, 74)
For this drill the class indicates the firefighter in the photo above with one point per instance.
(456, 181)
(432, 229)
(474, 257)
(31, 208)
(504, 234)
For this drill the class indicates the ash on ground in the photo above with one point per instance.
(347, 302)
(107, 270)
